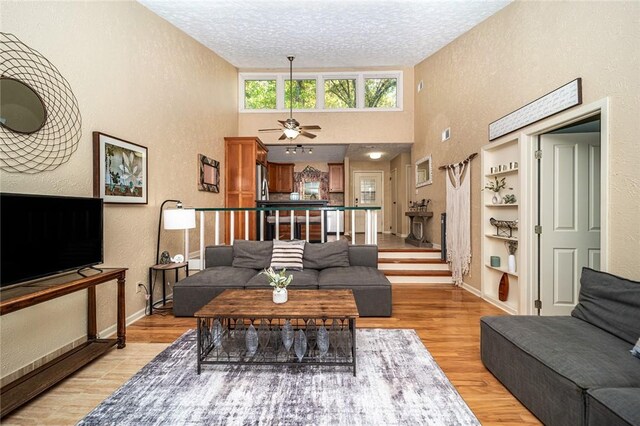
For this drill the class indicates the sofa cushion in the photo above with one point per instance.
(548, 363)
(307, 278)
(287, 254)
(252, 254)
(610, 303)
(352, 277)
(613, 406)
(326, 255)
(219, 276)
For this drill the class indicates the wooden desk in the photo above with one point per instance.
(13, 299)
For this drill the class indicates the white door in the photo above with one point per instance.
(569, 215)
(368, 191)
(393, 181)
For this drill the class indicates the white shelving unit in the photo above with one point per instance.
(501, 153)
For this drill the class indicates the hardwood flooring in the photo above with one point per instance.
(446, 319)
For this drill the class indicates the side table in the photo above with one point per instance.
(164, 268)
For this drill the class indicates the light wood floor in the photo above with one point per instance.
(446, 319)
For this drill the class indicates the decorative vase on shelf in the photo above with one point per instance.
(497, 199)
(511, 264)
(280, 295)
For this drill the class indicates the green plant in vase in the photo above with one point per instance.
(279, 281)
(496, 185)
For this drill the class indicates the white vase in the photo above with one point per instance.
(497, 199)
(511, 263)
(280, 295)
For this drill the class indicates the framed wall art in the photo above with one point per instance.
(120, 173)
(552, 103)
(209, 174)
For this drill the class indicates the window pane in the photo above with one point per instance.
(304, 94)
(380, 92)
(340, 93)
(260, 94)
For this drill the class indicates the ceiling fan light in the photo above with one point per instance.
(375, 155)
(291, 133)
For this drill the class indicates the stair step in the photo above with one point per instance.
(420, 267)
(409, 255)
(429, 273)
(408, 250)
(410, 261)
(419, 280)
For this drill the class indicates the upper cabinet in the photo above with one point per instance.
(280, 177)
(336, 177)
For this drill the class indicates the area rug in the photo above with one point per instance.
(398, 383)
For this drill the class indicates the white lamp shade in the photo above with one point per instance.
(179, 219)
(291, 133)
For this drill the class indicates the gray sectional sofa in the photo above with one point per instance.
(333, 265)
(578, 369)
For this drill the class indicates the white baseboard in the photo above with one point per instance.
(471, 289)
(129, 320)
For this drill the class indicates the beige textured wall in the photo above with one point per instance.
(344, 127)
(521, 53)
(138, 78)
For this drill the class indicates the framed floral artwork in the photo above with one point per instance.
(120, 173)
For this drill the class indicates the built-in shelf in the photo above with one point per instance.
(499, 237)
(506, 172)
(515, 274)
(501, 205)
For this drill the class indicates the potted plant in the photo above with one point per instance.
(496, 185)
(279, 281)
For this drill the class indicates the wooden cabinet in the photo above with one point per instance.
(241, 156)
(336, 177)
(280, 177)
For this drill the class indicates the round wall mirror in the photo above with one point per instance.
(21, 108)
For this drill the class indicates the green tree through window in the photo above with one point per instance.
(304, 94)
(260, 94)
(340, 93)
(380, 92)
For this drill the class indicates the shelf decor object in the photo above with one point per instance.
(550, 104)
(40, 122)
(511, 246)
(504, 228)
(503, 288)
(120, 173)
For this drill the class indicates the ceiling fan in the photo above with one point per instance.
(291, 129)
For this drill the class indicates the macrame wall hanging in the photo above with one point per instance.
(458, 236)
(52, 142)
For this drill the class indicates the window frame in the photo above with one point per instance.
(320, 78)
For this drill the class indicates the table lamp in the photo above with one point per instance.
(178, 218)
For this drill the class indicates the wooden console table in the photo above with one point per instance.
(418, 220)
(29, 386)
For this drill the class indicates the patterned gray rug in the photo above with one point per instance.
(398, 383)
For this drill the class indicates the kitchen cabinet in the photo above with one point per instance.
(241, 156)
(336, 177)
(280, 177)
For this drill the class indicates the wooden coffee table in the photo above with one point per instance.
(315, 327)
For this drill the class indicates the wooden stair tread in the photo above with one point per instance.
(410, 261)
(408, 250)
(433, 273)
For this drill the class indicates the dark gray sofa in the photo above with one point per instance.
(334, 265)
(573, 370)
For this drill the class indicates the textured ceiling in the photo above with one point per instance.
(254, 34)
(360, 152)
(335, 153)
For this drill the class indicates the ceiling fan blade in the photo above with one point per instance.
(307, 134)
(283, 137)
(270, 130)
(284, 123)
(312, 127)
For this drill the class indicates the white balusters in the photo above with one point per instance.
(233, 226)
(202, 240)
(246, 225)
(306, 214)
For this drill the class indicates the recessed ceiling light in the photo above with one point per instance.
(375, 155)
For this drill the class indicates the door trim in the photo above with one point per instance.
(353, 192)
(528, 146)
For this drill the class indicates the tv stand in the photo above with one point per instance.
(13, 299)
(93, 268)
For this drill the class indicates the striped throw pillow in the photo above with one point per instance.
(287, 254)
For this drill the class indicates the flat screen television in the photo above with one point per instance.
(44, 235)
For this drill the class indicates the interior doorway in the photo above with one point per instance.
(393, 180)
(368, 191)
(569, 212)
